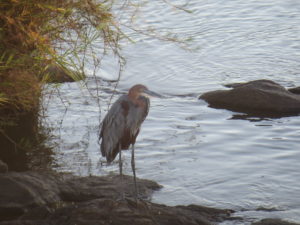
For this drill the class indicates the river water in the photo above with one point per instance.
(199, 154)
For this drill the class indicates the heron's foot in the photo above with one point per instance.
(136, 193)
(126, 196)
(133, 201)
(121, 176)
(136, 201)
(121, 197)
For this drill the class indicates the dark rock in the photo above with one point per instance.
(211, 214)
(107, 211)
(57, 74)
(3, 167)
(273, 222)
(51, 198)
(295, 90)
(259, 97)
(21, 191)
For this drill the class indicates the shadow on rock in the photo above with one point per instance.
(262, 98)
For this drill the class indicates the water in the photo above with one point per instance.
(199, 154)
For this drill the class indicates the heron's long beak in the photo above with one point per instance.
(151, 93)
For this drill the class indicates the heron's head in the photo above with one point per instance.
(141, 90)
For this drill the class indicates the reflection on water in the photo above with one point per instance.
(201, 155)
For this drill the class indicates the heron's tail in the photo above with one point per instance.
(103, 152)
(108, 153)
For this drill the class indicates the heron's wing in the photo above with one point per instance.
(113, 127)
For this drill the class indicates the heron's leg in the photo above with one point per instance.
(121, 173)
(120, 162)
(133, 170)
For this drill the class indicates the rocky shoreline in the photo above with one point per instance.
(48, 198)
(52, 198)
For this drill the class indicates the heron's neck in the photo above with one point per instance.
(133, 96)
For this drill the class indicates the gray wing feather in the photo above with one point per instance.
(112, 129)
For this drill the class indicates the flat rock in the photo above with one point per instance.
(259, 97)
(52, 198)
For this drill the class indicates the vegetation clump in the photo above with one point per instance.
(35, 37)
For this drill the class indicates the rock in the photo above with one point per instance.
(3, 167)
(21, 191)
(51, 198)
(273, 222)
(57, 74)
(259, 97)
(295, 90)
(107, 211)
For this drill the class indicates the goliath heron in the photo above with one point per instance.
(122, 123)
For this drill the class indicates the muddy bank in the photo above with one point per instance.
(51, 198)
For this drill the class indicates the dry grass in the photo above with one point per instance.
(35, 34)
